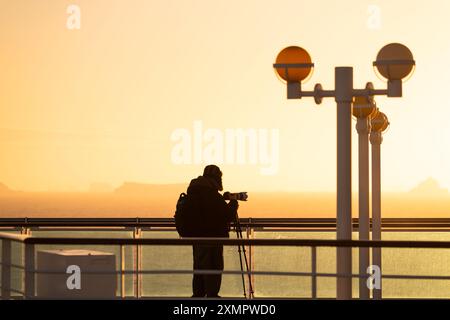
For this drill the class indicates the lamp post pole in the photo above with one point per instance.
(375, 140)
(363, 109)
(363, 128)
(344, 99)
(379, 124)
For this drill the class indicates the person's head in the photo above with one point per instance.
(213, 172)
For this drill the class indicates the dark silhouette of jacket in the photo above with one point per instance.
(209, 208)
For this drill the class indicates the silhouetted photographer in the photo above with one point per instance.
(203, 212)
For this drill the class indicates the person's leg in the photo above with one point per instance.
(213, 282)
(198, 283)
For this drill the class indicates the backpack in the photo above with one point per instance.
(187, 219)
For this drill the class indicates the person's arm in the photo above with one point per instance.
(228, 211)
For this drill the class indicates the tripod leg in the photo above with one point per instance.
(242, 269)
(239, 234)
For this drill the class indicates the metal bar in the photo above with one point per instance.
(140, 283)
(267, 273)
(13, 236)
(137, 272)
(122, 268)
(314, 272)
(430, 227)
(235, 242)
(99, 228)
(226, 241)
(29, 271)
(293, 65)
(6, 269)
(146, 223)
(369, 92)
(322, 93)
(169, 221)
(137, 235)
(394, 61)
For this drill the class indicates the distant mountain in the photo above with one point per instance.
(4, 189)
(159, 200)
(429, 188)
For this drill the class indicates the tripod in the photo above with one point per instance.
(238, 230)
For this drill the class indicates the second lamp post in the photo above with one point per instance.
(363, 109)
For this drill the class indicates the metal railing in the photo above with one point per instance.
(135, 221)
(30, 243)
(26, 226)
(310, 224)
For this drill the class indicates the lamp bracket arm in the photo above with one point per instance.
(369, 92)
(319, 92)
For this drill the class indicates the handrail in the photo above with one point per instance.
(227, 242)
(13, 236)
(245, 222)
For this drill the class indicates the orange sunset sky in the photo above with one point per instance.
(104, 103)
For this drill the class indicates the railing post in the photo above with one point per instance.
(6, 269)
(314, 272)
(29, 271)
(122, 268)
(137, 261)
(25, 230)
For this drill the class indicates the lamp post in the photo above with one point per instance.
(294, 66)
(363, 109)
(379, 124)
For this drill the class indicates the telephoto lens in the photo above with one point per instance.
(241, 196)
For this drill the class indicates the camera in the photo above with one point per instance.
(241, 196)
